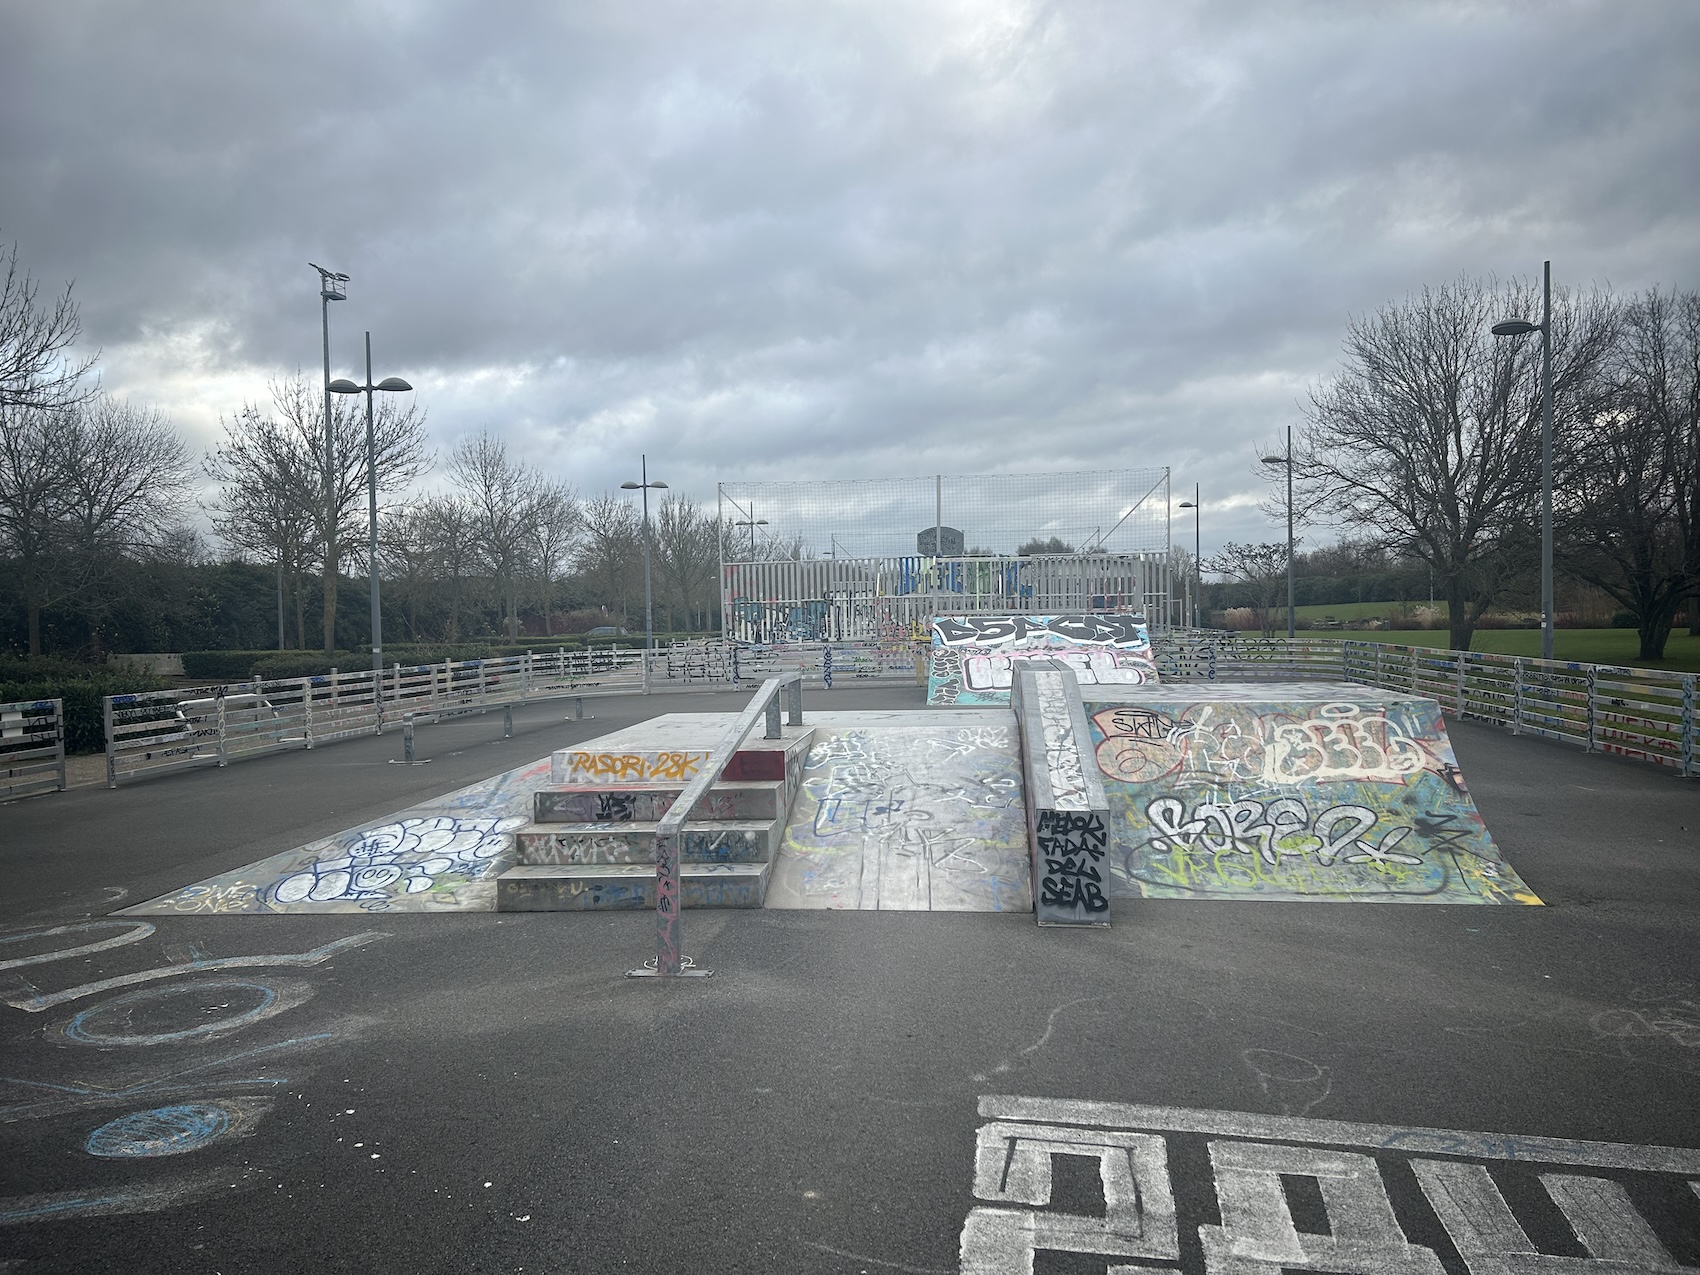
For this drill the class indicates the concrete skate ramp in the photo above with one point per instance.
(973, 656)
(908, 811)
(1289, 791)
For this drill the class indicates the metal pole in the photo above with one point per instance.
(330, 478)
(1546, 462)
(372, 531)
(648, 603)
(1289, 531)
(1197, 558)
(280, 604)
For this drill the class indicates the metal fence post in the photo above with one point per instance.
(111, 743)
(336, 698)
(480, 681)
(377, 701)
(1517, 698)
(525, 677)
(223, 748)
(1688, 723)
(507, 721)
(1378, 666)
(396, 694)
(1593, 708)
(407, 738)
(307, 712)
(1413, 670)
(59, 739)
(1463, 659)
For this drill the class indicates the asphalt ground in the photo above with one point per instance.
(486, 1092)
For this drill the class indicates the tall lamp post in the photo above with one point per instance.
(1520, 327)
(648, 602)
(1287, 460)
(1197, 564)
(389, 385)
(752, 522)
(331, 288)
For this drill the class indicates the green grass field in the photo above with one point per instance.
(1587, 646)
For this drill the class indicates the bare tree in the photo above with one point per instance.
(285, 451)
(687, 553)
(505, 499)
(1628, 513)
(610, 550)
(1261, 572)
(450, 529)
(555, 536)
(1428, 441)
(83, 489)
(37, 369)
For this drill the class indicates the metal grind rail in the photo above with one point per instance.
(156, 732)
(32, 747)
(669, 961)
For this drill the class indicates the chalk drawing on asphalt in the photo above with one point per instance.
(1375, 1197)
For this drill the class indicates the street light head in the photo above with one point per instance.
(1186, 504)
(659, 483)
(1515, 327)
(342, 385)
(630, 486)
(394, 384)
(1269, 460)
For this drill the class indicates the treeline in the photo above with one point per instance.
(98, 550)
(1427, 447)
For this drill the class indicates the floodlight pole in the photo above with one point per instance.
(1290, 624)
(1520, 327)
(648, 597)
(1546, 463)
(328, 292)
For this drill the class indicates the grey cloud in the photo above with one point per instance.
(828, 240)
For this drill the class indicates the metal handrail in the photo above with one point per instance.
(669, 934)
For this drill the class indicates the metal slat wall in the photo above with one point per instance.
(32, 747)
(851, 599)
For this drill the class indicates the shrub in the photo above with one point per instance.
(1625, 620)
(81, 686)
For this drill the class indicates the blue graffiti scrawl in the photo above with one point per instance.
(441, 855)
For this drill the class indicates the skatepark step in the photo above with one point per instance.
(591, 843)
(600, 804)
(593, 886)
(700, 841)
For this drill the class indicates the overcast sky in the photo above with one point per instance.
(830, 240)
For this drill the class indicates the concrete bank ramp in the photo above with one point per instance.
(1288, 791)
(909, 811)
(974, 657)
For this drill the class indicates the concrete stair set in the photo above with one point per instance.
(591, 844)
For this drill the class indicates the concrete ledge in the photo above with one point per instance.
(587, 803)
(1068, 814)
(723, 841)
(592, 887)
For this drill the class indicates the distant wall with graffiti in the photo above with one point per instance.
(1356, 798)
(974, 656)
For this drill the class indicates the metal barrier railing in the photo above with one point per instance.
(32, 747)
(1649, 714)
(155, 732)
(669, 937)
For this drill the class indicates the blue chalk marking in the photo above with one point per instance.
(161, 1131)
(80, 1029)
(49, 1208)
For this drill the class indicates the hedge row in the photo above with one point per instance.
(81, 686)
